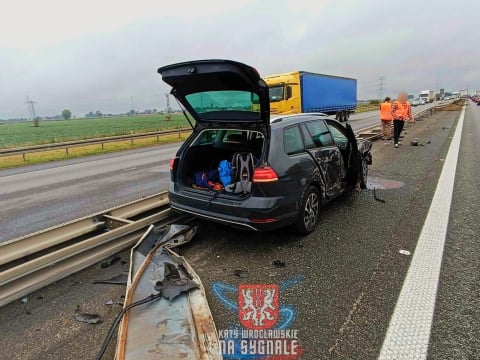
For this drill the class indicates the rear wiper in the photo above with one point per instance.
(184, 112)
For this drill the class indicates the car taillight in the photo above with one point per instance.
(173, 163)
(264, 174)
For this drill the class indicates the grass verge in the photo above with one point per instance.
(366, 107)
(88, 150)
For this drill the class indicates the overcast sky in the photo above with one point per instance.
(89, 55)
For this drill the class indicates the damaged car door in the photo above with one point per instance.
(347, 143)
(328, 157)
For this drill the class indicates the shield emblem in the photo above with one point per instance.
(258, 305)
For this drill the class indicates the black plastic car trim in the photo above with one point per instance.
(213, 218)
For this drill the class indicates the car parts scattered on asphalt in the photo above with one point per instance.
(177, 311)
(120, 279)
(376, 197)
(241, 273)
(88, 318)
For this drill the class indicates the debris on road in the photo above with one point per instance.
(88, 318)
(109, 302)
(177, 311)
(405, 252)
(120, 279)
(110, 261)
(241, 273)
(279, 264)
(173, 284)
(24, 300)
(376, 197)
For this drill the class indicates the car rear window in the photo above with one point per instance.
(225, 100)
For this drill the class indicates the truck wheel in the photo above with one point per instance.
(309, 211)
(338, 116)
(347, 115)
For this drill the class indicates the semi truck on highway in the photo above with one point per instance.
(427, 95)
(306, 92)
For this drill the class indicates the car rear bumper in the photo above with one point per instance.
(253, 213)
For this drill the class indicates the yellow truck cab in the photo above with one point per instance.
(303, 92)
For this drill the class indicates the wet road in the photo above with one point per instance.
(339, 285)
(40, 196)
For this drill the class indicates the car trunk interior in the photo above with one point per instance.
(211, 147)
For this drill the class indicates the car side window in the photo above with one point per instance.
(320, 134)
(307, 138)
(338, 135)
(292, 140)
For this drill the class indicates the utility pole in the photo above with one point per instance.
(133, 104)
(168, 117)
(381, 85)
(31, 109)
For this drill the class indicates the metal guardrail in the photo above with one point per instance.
(101, 141)
(373, 132)
(31, 262)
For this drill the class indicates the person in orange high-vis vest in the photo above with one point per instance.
(386, 119)
(401, 112)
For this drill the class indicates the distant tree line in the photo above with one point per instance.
(67, 114)
(98, 113)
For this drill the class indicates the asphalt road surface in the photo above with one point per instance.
(40, 196)
(339, 286)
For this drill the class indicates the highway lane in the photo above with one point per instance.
(367, 119)
(37, 197)
(340, 283)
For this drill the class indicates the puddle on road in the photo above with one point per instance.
(383, 184)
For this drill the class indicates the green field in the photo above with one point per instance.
(52, 131)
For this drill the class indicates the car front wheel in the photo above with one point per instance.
(308, 215)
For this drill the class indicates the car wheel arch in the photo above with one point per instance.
(318, 186)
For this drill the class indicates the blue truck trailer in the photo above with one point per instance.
(303, 92)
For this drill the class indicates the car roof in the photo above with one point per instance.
(283, 120)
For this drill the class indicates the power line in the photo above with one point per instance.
(167, 97)
(31, 108)
(381, 81)
(169, 110)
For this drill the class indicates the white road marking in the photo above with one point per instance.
(408, 334)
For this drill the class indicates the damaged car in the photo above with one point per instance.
(242, 168)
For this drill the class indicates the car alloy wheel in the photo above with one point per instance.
(310, 212)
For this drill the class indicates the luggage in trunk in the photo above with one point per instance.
(205, 167)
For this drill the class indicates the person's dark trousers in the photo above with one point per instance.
(397, 130)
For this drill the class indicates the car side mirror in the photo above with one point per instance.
(288, 93)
